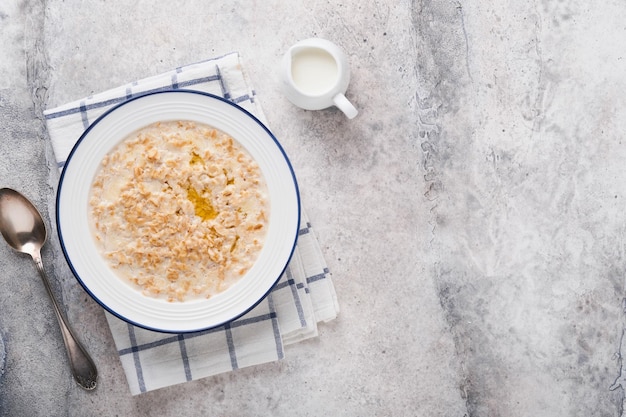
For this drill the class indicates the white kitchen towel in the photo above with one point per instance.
(303, 296)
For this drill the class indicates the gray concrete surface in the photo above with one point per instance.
(472, 214)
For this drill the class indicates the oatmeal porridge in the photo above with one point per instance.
(180, 210)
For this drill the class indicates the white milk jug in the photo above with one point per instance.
(316, 75)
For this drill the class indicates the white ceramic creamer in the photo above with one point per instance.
(316, 75)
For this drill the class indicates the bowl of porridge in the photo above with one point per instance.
(178, 211)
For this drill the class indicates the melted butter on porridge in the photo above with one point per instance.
(180, 210)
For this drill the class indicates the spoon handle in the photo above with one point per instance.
(83, 368)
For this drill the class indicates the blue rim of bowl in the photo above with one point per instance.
(60, 234)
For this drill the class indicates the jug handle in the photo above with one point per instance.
(345, 106)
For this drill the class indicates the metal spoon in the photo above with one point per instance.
(23, 228)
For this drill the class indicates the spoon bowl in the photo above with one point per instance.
(24, 230)
(20, 223)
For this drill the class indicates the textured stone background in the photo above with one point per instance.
(471, 215)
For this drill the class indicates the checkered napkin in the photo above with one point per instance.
(303, 297)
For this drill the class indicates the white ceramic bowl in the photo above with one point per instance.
(111, 291)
